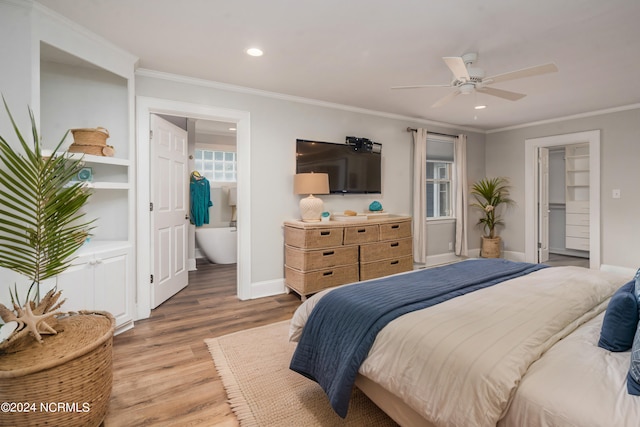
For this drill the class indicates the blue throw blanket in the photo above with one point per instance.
(343, 325)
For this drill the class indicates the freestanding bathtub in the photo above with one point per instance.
(219, 245)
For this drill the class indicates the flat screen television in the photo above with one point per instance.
(351, 169)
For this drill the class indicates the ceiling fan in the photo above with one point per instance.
(466, 79)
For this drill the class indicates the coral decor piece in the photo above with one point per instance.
(32, 318)
(375, 206)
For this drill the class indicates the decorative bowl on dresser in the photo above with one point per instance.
(326, 254)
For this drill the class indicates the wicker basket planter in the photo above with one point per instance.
(66, 381)
(490, 247)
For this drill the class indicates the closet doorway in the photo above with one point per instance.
(582, 189)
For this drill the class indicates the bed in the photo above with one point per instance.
(522, 351)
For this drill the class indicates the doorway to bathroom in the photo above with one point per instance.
(203, 190)
(145, 106)
(213, 155)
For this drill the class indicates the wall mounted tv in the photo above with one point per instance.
(352, 168)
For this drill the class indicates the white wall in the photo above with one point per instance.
(18, 66)
(620, 153)
(275, 126)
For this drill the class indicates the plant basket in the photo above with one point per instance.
(490, 247)
(67, 380)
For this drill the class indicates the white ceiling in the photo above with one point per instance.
(352, 51)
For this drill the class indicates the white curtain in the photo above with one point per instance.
(462, 194)
(420, 196)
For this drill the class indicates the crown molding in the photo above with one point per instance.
(82, 30)
(143, 72)
(565, 118)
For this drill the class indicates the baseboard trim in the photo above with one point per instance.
(267, 288)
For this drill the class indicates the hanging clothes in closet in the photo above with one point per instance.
(200, 199)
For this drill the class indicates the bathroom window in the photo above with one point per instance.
(218, 166)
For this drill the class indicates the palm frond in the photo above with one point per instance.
(41, 221)
(490, 194)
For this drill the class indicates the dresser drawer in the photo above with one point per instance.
(371, 270)
(360, 234)
(577, 219)
(577, 231)
(577, 243)
(310, 282)
(384, 250)
(317, 259)
(395, 230)
(313, 238)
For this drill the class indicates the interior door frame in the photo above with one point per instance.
(531, 195)
(145, 106)
(543, 203)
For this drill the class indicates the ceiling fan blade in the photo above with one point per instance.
(525, 72)
(457, 66)
(511, 96)
(418, 86)
(446, 99)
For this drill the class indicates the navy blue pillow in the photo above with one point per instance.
(621, 320)
(633, 378)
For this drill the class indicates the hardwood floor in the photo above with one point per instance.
(163, 374)
(557, 260)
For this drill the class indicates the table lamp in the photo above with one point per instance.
(311, 183)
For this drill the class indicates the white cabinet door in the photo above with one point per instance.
(77, 287)
(112, 284)
(100, 281)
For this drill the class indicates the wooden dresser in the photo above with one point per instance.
(320, 255)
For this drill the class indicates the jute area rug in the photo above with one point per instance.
(263, 391)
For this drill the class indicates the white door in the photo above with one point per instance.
(543, 205)
(169, 214)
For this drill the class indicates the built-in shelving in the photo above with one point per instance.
(577, 197)
(76, 93)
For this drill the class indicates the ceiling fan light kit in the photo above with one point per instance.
(467, 79)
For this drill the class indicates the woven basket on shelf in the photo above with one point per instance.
(90, 136)
(67, 380)
(91, 141)
(96, 150)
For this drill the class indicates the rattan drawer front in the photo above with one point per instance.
(361, 234)
(395, 230)
(313, 238)
(371, 270)
(306, 260)
(305, 283)
(384, 250)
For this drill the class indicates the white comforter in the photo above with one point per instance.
(576, 384)
(460, 362)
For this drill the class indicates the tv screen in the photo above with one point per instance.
(351, 169)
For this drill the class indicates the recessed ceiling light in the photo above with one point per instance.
(232, 129)
(254, 51)
(480, 107)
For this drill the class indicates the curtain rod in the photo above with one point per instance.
(410, 129)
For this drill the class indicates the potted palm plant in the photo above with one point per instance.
(41, 227)
(491, 194)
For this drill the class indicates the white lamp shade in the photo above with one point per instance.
(311, 183)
